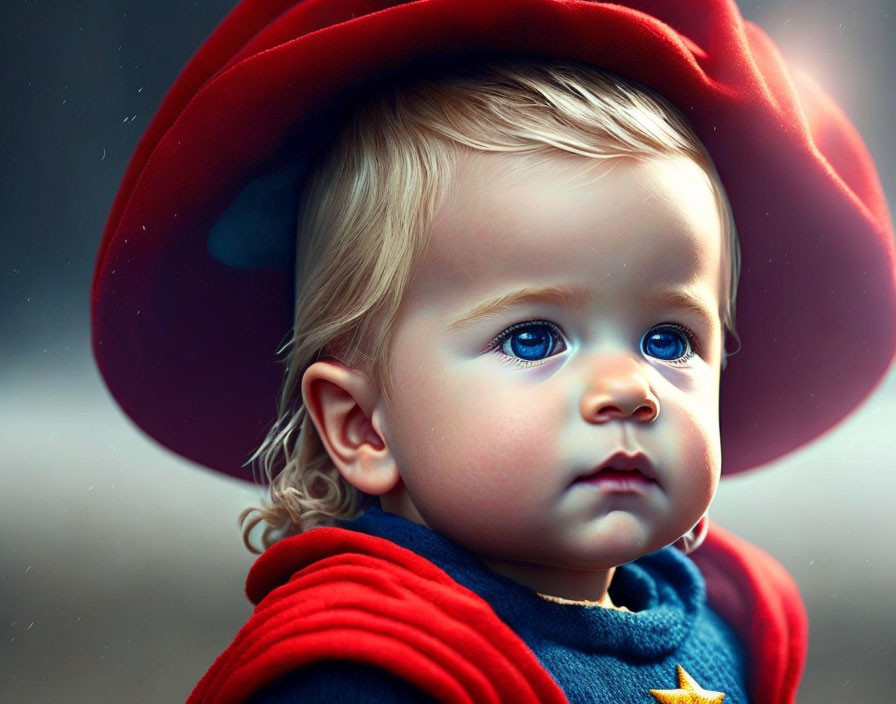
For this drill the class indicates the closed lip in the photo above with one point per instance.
(622, 461)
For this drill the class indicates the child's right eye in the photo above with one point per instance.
(529, 342)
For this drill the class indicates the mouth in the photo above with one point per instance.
(621, 471)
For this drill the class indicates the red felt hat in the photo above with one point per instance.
(193, 290)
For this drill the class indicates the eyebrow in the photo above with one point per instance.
(574, 297)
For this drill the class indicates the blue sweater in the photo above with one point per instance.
(594, 654)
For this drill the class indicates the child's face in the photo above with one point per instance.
(491, 428)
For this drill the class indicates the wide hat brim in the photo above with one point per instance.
(193, 290)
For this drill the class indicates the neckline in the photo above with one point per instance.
(580, 602)
(664, 591)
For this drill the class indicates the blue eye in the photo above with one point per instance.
(529, 342)
(669, 342)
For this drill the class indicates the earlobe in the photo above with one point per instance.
(342, 403)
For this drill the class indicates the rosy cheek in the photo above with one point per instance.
(702, 454)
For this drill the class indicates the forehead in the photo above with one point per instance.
(509, 219)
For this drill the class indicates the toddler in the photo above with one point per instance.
(498, 434)
(533, 373)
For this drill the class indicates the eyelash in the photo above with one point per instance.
(497, 343)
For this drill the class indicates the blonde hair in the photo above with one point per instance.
(365, 222)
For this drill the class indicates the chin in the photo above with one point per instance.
(605, 556)
(622, 549)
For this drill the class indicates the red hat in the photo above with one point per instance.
(193, 291)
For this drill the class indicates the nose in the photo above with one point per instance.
(618, 389)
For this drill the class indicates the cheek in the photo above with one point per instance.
(700, 448)
(695, 400)
(695, 432)
(460, 436)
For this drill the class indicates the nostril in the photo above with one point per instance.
(610, 412)
(601, 408)
(645, 413)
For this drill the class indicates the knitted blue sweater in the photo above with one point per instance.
(594, 654)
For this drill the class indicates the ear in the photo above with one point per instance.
(343, 405)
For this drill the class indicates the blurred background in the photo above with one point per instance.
(121, 565)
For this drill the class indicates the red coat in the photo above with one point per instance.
(339, 594)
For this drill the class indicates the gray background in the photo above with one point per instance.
(121, 566)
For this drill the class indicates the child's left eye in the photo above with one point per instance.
(670, 342)
(529, 342)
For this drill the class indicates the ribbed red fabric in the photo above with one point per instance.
(750, 590)
(338, 594)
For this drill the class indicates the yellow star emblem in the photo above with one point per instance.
(688, 692)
